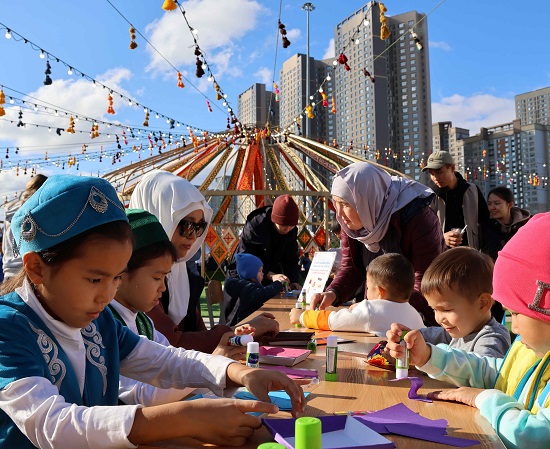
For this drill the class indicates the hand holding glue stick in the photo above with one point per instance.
(413, 342)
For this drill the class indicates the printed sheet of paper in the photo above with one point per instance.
(318, 273)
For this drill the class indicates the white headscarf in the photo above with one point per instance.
(171, 198)
(375, 195)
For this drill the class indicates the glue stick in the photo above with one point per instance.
(331, 358)
(308, 433)
(402, 363)
(253, 354)
(298, 305)
(240, 340)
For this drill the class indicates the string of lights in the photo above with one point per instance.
(54, 110)
(44, 54)
(202, 65)
(179, 73)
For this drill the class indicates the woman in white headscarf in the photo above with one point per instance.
(381, 214)
(185, 216)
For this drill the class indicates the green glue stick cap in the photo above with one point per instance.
(403, 333)
(308, 433)
(271, 446)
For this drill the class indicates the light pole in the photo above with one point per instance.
(307, 7)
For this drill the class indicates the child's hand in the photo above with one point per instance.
(264, 324)
(295, 315)
(281, 278)
(261, 381)
(231, 352)
(419, 351)
(466, 395)
(245, 329)
(237, 425)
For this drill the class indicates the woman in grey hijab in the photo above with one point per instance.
(381, 214)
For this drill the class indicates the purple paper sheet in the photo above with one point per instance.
(401, 420)
(401, 414)
(281, 429)
(416, 384)
(428, 434)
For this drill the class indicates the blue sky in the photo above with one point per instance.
(482, 53)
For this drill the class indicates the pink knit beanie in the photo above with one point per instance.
(521, 279)
(285, 211)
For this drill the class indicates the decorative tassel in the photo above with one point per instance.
(200, 71)
(333, 110)
(48, 72)
(367, 73)
(146, 121)
(208, 105)
(276, 90)
(384, 30)
(309, 111)
(20, 123)
(110, 109)
(180, 81)
(325, 101)
(70, 129)
(2, 101)
(343, 59)
(133, 44)
(219, 95)
(169, 5)
(284, 39)
(417, 42)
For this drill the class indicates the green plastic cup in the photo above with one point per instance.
(271, 446)
(308, 433)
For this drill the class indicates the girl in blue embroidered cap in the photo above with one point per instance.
(61, 354)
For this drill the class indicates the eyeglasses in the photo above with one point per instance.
(187, 228)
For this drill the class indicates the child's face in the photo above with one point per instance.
(260, 275)
(184, 243)
(142, 289)
(535, 334)
(458, 315)
(77, 291)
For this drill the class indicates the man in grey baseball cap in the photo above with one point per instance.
(438, 159)
(458, 204)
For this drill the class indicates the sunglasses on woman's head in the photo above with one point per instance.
(187, 228)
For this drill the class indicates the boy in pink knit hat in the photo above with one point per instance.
(512, 393)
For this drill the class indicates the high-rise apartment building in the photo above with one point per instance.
(512, 155)
(446, 138)
(292, 83)
(256, 106)
(392, 115)
(534, 107)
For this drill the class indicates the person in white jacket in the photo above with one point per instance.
(390, 283)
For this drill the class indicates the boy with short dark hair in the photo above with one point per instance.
(458, 286)
(247, 291)
(390, 283)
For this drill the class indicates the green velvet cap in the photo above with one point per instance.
(145, 227)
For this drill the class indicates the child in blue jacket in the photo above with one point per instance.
(247, 293)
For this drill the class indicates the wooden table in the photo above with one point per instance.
(361, 386)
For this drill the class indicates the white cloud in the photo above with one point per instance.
(293, 34)
(481, 110)
(264, 76)
(330, 52)
(219, 24)
(440, 44)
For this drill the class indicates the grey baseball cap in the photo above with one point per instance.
(438, 159)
